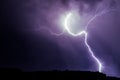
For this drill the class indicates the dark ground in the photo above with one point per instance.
(14, 73)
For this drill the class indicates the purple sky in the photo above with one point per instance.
(26, 46)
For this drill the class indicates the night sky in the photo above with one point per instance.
(25, 45)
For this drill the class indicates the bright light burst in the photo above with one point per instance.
(66, 23)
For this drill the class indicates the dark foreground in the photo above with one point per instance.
(11, 73)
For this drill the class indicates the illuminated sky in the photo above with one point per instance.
(27, 43)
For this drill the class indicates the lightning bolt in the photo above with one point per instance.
(86, 42)
(84, 32)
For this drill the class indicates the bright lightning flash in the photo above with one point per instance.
(66, 23)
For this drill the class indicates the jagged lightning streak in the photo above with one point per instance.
(84, 32)
(66, 28)
(86, 42)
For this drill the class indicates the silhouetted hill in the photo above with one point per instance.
(9, 70)
(15, 73)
